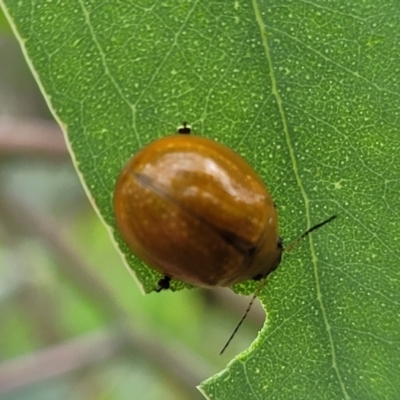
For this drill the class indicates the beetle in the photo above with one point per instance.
(196, 211)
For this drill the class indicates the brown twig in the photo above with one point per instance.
(58, 359)
(33, 138)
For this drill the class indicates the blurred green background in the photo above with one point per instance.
(73, 322)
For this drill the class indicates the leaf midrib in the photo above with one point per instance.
(275, 92)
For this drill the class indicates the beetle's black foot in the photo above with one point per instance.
(163, 284)
(184, 129)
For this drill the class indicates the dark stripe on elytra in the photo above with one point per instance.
(229, 237)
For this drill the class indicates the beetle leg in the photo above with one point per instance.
(163, 283)
(184, 129)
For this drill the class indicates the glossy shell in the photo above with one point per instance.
(196, 211)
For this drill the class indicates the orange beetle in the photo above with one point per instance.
(196, 211)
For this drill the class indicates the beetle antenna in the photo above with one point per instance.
(307, 232)
(260, 286)
(264, 281)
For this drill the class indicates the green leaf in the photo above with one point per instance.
(309, 94)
